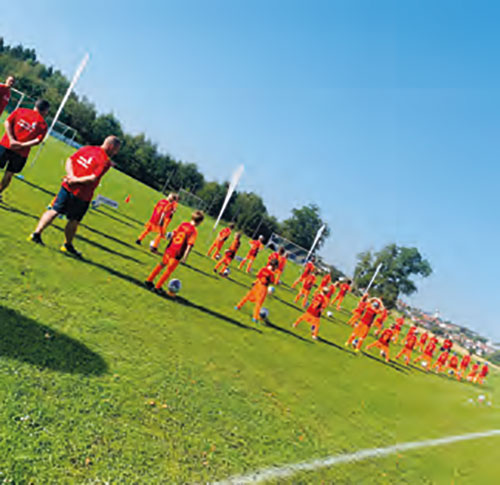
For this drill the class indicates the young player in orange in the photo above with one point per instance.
(155, 221)
(410, 342)
(453, 365)
(256, 245)
(282, 258)
(423, 341)
(258, 292)
(464, 363)
(308, 269)
(307, 286)
(397, 328)
(178, 249)
(411, 332)
(427, 355)
(165, 220)
(313, 313)
(325, 281)
(379, 322)
(383, 343)
(344, 289)
(482, 374)
(358, 311)
(229, 255)
(371, 309)
(441, 361)
(472, 376)
(219, 241)
(332, 288)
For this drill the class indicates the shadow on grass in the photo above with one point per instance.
(111, 238)
(291, 305)
(200, 271)
(391, 364)
(28, 341)
(337, 346)
(107, 214)
(38, 187)
(288, 332)
(121, 214)
(108, 250)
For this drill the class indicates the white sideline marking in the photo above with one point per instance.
(287, 471)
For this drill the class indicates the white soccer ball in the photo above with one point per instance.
(329, 314)
(174, 286)
(264, 313)
(271, 290)
(481, 398)
(226, 272)
(424, 364)
(217, 257)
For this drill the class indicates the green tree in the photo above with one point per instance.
(302, 227)
(399, 266)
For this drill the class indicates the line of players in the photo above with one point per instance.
(370, 312)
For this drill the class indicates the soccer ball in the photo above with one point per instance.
(264, 313)
(270, 290)
(382, 354)
(226, 272)
(329, 314)
(217, 257)
(424, 364)
(174, 286)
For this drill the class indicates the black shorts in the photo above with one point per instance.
(70, 205)
(13, 161)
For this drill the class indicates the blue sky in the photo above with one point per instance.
(383, 113)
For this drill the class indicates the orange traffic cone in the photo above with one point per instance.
(127, 200)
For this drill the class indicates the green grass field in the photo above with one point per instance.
(86, 350)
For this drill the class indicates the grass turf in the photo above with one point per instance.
(105, 381)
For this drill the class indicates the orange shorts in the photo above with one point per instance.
(153, 227)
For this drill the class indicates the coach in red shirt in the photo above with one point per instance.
(5, 93)
(24, 128)
(84, 170)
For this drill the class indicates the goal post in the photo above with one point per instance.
(296, 253)
(189, 199)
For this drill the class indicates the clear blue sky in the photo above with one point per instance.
(384, 113)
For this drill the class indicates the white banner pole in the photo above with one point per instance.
(232, 186)
(316, 239)
(377, 271)
(76, 76)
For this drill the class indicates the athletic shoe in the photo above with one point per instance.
(138, 242)
(154, 250)
(36, 238)
(254, 320)
(236, 308)
(314, 337)
(149, 285)
(69, 248)
(160, 292)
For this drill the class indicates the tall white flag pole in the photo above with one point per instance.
(76, 76)
(232, 186)
(316, 239)
(377, 271)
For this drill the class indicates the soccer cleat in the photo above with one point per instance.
(36, 238)
(154, 250)
(69, 248)
(138, 242)
(160, 292)
(149, 285)
(236, 307)
(254, 320)
(314, 337)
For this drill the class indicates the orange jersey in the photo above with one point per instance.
(399, 323)
(424, 337)
(326, 280)
(255, 247)
(224, 234)
(169, 211)
(182, 237)
(383, 317)
(265, 276)
(158, 211)
(308, 269)
(282, 260)
(474, 369)
(233, 248)
(386, 336)
(443, 358)
(272, 256)
(344, 288)
(453, 362)
(465, 362)
(369, 314)
(484, 371)
(430, 348)
(447, 344)
(411, 341)
(309, 282)
(331, 290)
(317, 305)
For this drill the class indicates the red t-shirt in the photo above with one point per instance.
(272, 256)
(224, 234)
(325, 281)
(308, 269)
(386, 336)
(309, 282)
(255, 246)
(447, 344)
(369, 314)
(430, 348)
(383, 316)
(331, 290)
(443, 358)
(424, 337)
(4, 97)
(27, 125)
(399, 323)
(454, 362)
(158, 211)
(474, 369)
(89, 160)
(465, 362)
(317, 305)
(344, 288)
(484, 371)
(265, 276)
(169, 210)
(411, 341)
(182, 237)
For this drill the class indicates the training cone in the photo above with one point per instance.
(127, 200)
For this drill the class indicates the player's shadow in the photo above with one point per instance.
(391, 364)
(38, 187)
(291, 305)
(200, 271)
(26, 340)
(333, 344)
(111, 238)
(287, 332)
(15, 210)
(213, 313)
(117, 219)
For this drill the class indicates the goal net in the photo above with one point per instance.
(191, 200)
(296, 253)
